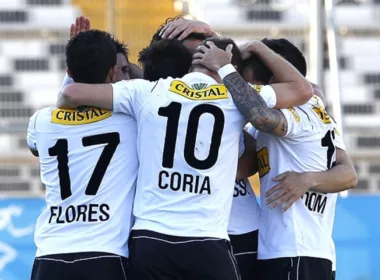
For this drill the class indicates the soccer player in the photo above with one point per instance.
(245, 211)
(340, 178)
(183, 196)
(124, 70)
(88, 161)
(298, 242)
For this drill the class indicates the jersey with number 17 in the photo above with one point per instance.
(88, 162)
(188, 147)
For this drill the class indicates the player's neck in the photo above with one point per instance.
(207, 72)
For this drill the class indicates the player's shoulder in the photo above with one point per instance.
(40, 115)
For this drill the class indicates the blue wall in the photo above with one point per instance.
(357, 236)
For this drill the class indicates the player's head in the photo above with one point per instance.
(156, 36)
(191, 42)
(222, 43)
(254, 70)
(91, 57)
(165, 58)
(122, 62)
(288, 51)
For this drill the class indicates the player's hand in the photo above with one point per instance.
(249, 48)
(183, 28)
(290, 187)
(81, 24)
(211, 57)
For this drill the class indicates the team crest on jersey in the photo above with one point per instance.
(200, 91)
(322, 114)
(79, 116)
(263, 162)
(295, 114)
(257, 88)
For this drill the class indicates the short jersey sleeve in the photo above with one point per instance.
(128, 96)
(251, 130)
(267, 93)
(31, 133)
(338, 141)
(66, 81)
(297, 126)
(241, 145)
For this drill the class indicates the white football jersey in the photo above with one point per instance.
(245, 211)
(188, 146)
(88, 160)
(309, 146)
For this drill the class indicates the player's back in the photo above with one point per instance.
(309, 146)
(89, 165)
(188, 144)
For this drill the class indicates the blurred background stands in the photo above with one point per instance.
(33, 34)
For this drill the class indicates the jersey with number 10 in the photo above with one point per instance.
(88, 161)
(188, 147)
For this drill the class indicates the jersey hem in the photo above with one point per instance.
(294, 254)
(180, 233)
(240, 232)
(120, 252)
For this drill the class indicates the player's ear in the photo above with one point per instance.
(68, 73)
(112, 75)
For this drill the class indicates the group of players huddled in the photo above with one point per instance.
(146, 169)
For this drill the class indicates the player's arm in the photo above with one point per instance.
(31, 135)
(121, 97)
(246, 98)
(247, 164)
(78, 94)
(291, 186)
(339, 178)
(291, 90)
(252, 106)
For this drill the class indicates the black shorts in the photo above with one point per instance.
(298, 268)
(80, 266)
(333, 275)
(244, 247)
(155, 256)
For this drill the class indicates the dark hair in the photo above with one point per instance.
(260, 71)
(90, 55)
(121, 48)
(222, 43)
(156, 36)
(165, 58)
(289, 52)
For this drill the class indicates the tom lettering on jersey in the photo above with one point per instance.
(184, 182)
(315, 202)
(263, 162)
(199, 91)
(79, 116)
(79, 213)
